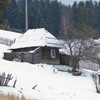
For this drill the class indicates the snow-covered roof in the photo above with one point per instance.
(36, 38)
(9, 35)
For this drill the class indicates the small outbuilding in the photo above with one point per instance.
(36, 46)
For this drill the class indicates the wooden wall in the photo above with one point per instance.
(42, 55)
(8, 56)
(27, 57)
(46, 56)
(37, 56)
(64, 59)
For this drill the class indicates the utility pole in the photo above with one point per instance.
(26, 15)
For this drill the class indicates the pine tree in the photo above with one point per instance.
(3, 5)
(81, 12)
(97, 15)
(89, 6)
(12, 13)
(53, 19)
(75, 11)
(21, 15)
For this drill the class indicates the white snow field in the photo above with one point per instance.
(47, 81)
(9, 35)
(50, 83)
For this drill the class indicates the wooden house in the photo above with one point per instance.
(36, 46)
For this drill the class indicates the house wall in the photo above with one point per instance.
(42, 55)
(8, 56)
(66, 60)
(27, 57)
(46, 56)
(37, 56)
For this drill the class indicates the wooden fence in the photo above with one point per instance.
(6, 41)
(22, 57)
(94, 68)
(4, 79)
(89, 65)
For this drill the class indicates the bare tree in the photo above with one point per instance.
(92, 53)
(80, 45)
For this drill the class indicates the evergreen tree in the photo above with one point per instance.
(21, 14)
(75, 11)
(12, 13)
(90, 8)
(81, 12)
(96, 16)
(36, 12)
(3, 5)
(30, 14)
(53, 19)
(46, 14)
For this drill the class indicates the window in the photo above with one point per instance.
(53, 53)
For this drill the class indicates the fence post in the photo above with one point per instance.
(8, 79)
(3, 78)
(15, 82)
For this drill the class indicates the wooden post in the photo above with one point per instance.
(3, 78)
(15, 82)
(9, 77)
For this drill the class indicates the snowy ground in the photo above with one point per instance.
(50, 83)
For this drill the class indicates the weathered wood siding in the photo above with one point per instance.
(8, 56)
(41, 55)
(46, 56)
(27, 57)
(64, 59)
(37, 56)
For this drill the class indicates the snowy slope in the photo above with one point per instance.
(9, 35)
(50, 83)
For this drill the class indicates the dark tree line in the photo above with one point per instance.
(3, 5)
(53, 15)
(87, 13)
(41, 13)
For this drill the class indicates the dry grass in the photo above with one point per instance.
(12, 97)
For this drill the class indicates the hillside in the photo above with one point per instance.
(48, 82)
